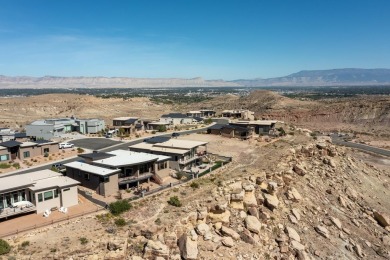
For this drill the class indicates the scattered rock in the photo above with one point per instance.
(225, 231)
(336, 222)
(298, 169)
(227, 241)
(188, 247)
(292, 234)
(382, 219)
(297, 246)
(293, 195)
(253, 224)
(322, 231)
(271, 201)
(154, 249)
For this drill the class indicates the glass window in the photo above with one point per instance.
(15, 197)
(55, 193)
(45, 150)
(1, 202)
(26, 154)
(23, 195)
(48, 195)
(105, 179)
(4, 157)
(40, 198)
(86, 176)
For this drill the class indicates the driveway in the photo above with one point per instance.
(94, 143)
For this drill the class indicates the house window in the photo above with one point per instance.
(26, 154)
(40, 198)
(55, 193)
(48, 195)
(86, 176)
(144, 168)
(4, 157)
(105, 179)
(46, 150)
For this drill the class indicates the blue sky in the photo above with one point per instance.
(214, 39)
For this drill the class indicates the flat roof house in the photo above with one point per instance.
(50, 128)
(233, 131)
(129, 125)
(177, 119)
(260, 126)
(90, 126)
(184, 154)
(23, 150)
(240, 113)
(45, 189)
(6, 134)
(106, 173)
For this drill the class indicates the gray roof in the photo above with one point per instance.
(157, 139)
(174, 115)
(96, 156)
(10, 143)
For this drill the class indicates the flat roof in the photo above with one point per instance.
(128, 158)
(181, 144)
(96, 155)
(27, 144)
(2, 147)
(11, 143)
(125, 118)
(257, 122)
(26, 179)
(57, 181)
(152, 148)
(91, 168)
(194, 112)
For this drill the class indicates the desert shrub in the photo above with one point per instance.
(208, 121)
(4, 247)
(174, 201)
(153, 132)
(104, 218)
(120, 222)
(4, 166)
(180, 175)
(80, 150)
(50, 158)
(194, 185)
(83, 240)
(53, 250)
(158, 221)
(162, 128)
(118, 207)
(25, 243)
(281, 131)
(54, 169)
(16, 165)
(46, 154)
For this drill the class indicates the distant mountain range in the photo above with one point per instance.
(335, 77)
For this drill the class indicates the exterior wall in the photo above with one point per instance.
(215, 131)
(93, 183)
(5, 152)
(53, 148)
(69, 197)
(40, 131)
(227, 132)
(44, 205)
(111, 187)
(34, 151)
(174, 165)
(187, 120)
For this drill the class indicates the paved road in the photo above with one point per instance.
(94, 143)
(102, 142)
(340, 141)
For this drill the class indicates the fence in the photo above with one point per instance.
(33, 227)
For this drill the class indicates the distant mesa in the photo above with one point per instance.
(334, 77)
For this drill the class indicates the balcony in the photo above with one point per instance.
(10, 212)
(134, 178)
(188, 160)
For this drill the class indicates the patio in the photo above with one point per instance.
(10, 212)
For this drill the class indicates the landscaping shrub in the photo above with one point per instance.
(16, 165)
(83, 240)
(46, 154)
(4, 247)
(80, 150)
(174, 201)
(194, 185)
(25, 243)
(4, 166)
(118, 207)
(120, 222)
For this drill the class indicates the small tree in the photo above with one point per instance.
(4, 247)
(208, 121)
(162, 128)
(174, 201)
(118, 207)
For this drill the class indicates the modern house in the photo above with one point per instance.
(241, 114)
(6, 134)
(158, 125)
(12, 150)
(106, 173)
(184, 154)
(43, 189)
(129, 125)
(201, 113)
(177, 119)
(50, 128)
(260, 126)
(231, 131)
(90, 126)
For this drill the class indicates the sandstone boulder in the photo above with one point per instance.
(154, 249)
(382, 219)
(271, 201)
(188, 247)
(225, 231)
(253, 224)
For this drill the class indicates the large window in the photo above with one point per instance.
(4, 157)
(55, 193)
(104, 178)
(48, 195)
(26, 154)
(46, 150)
(144, 168)
(86, 176)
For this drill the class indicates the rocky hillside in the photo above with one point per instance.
(292, 199)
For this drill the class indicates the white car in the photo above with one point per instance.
(65, 145)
